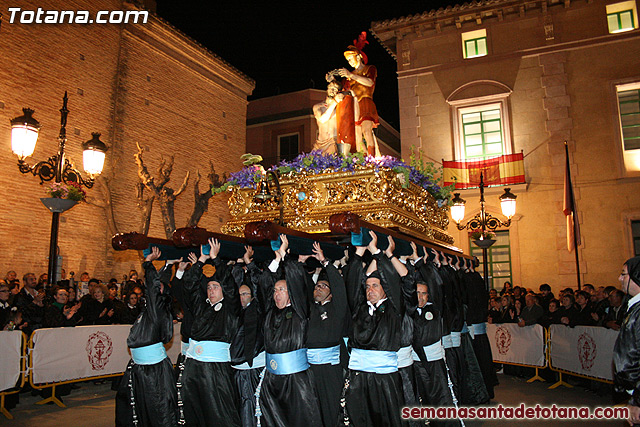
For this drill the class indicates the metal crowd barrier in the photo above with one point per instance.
(530, 346)
(20, 382)
(58, 356)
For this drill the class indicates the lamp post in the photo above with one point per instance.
(264, 193)
(57, 168)
(484, 221)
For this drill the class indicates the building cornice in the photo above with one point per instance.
(171, 41)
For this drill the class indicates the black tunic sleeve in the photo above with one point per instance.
(338, 290)
(354, 274)
(297, 286)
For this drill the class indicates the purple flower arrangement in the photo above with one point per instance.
(316, 162)
(61, 190)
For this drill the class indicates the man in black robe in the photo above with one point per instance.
(626, 352)
(374, 395)
(327, 318)
(450, 319)
(429, 367)
(247, 348)
(147, 392)
(287, 395)
(476, 317)
(209, 393)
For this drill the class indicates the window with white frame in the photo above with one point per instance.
(622, 16)
(629, 124)
(481, 128)
(288, 146)
(474, 44)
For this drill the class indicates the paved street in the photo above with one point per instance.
(93, 405)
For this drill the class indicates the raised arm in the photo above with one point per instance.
(354, 280)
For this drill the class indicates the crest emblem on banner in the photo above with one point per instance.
(503, 340)
(99, 349)
(587, 351)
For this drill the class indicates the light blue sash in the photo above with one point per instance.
(184, 346)
(209, 351)
(456, 339)
(433, 352)
(323, 356)
(149, 355)
(377, 361)
(291, 362)
(404, 357)
(479, 328)
(258, 362)
(465, 329)
(447, 342)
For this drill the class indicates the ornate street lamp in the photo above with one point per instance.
(264, 193)
(24, 135)
(484, 221)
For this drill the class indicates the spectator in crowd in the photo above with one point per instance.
(588, 288)
(43, 280)
(546, 296)
(508, 311)
(5, 305)
(72, 295)
(33, 313)
(129, 312)
(584, 315)
(14, 289)
(98, 309)
(112, 288)
(600, 303)
(91, 284)
(493, 293)
(132, 282)
(517, 305)
(59, 313)
(518, 295)
(552, 316)
(568, 311)
(15, 321)
(506, 289)
(11, 276)
(28, 291)
(615, 312)
(532, 313)
(494, 310)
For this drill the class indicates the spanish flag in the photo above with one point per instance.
(502, 170)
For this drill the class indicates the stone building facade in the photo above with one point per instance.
(547, 71)
(143, 83)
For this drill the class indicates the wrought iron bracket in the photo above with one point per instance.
(46, 171)
(490, 222)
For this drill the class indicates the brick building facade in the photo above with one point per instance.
(135, 83)
(541, 72)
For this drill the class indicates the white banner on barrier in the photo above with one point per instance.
(585, 350)
(512, 344)
(62, 354)
(10, 352)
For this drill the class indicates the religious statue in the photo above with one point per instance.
(325, 114)
(361, 82)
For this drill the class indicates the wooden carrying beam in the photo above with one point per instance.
(350, 226)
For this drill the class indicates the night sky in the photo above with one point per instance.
(290, 48)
